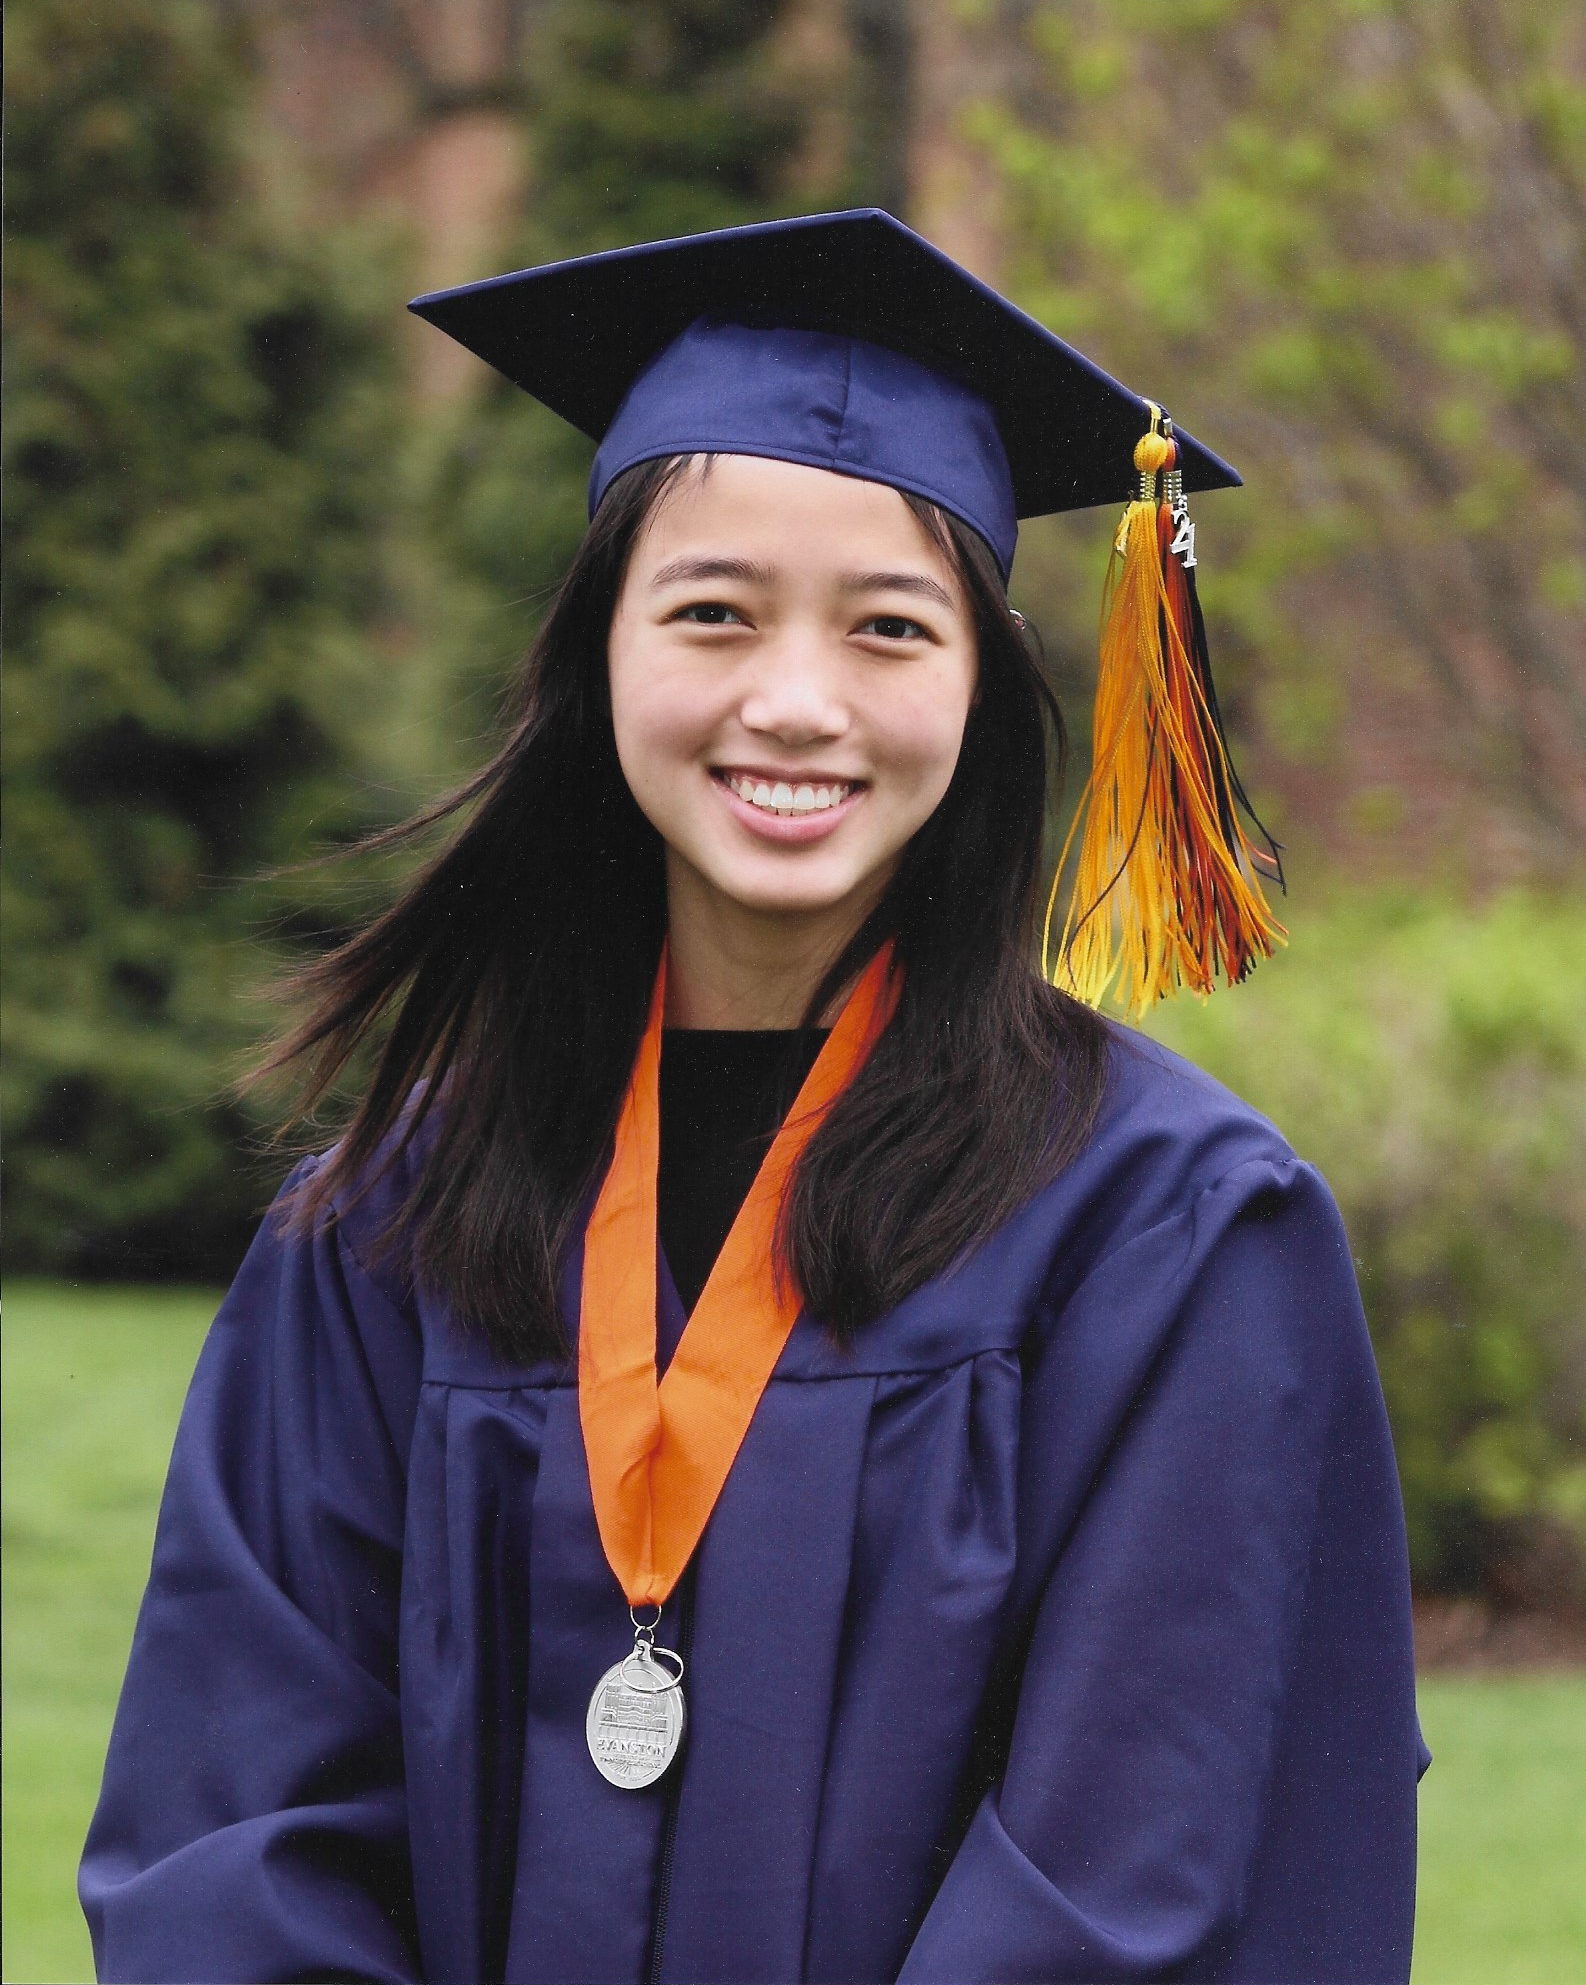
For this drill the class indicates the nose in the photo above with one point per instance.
(795, 694)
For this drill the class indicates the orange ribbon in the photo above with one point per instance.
(659, 1453)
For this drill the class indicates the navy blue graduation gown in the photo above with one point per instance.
(1059, 1631)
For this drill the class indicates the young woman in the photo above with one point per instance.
(1001, 1576)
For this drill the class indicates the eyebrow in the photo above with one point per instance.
(713, 568)
(898, 582)
(680, 570)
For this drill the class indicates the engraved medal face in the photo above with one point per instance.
(636, 1721)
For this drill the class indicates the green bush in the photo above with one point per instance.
(1431, 1059)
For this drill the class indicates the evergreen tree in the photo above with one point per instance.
(196, 459)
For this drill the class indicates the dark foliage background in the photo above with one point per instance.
(199, 418)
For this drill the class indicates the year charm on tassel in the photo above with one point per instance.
(637, 1715)
(1183, 546)
(1167, 885)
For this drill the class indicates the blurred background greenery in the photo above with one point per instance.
(273, 548)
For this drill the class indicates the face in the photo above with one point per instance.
(792, 665)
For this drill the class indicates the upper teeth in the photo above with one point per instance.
(783, 798)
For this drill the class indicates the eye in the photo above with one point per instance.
(710, 613)
(893, 627)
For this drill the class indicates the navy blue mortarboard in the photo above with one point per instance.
(844, 341)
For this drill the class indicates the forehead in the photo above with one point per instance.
(727, 504)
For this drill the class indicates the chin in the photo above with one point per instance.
(789, 896)
(799, 904)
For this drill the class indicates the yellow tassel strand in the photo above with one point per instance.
(1165, 892)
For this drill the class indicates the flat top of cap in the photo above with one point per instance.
(576, 334)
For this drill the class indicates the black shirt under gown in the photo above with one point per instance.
(724, 1095)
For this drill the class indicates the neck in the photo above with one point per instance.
(737, 968)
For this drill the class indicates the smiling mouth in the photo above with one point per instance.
(788, 799)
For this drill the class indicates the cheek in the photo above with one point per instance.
(650, 728)
(924, 732)
(655, 718)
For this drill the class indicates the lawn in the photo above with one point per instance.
(93, 1381)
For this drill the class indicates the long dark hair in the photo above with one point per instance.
(506, 989)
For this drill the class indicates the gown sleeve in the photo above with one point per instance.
(252, 1824)
(1213, 1754)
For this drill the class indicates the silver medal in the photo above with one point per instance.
(637, 1715)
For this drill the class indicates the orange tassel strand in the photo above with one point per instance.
(1167, 886)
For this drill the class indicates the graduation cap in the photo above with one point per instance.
(951, 375)
(847, 342)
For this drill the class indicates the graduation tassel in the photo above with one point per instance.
(1167, 887)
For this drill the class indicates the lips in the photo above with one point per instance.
(793, 810)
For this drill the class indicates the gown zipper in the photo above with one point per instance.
(674, 1793)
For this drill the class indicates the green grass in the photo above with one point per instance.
(1503, 1831)
(93, 1382)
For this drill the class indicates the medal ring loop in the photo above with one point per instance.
(642, 1667)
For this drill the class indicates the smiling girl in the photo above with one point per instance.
(778, 1445)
